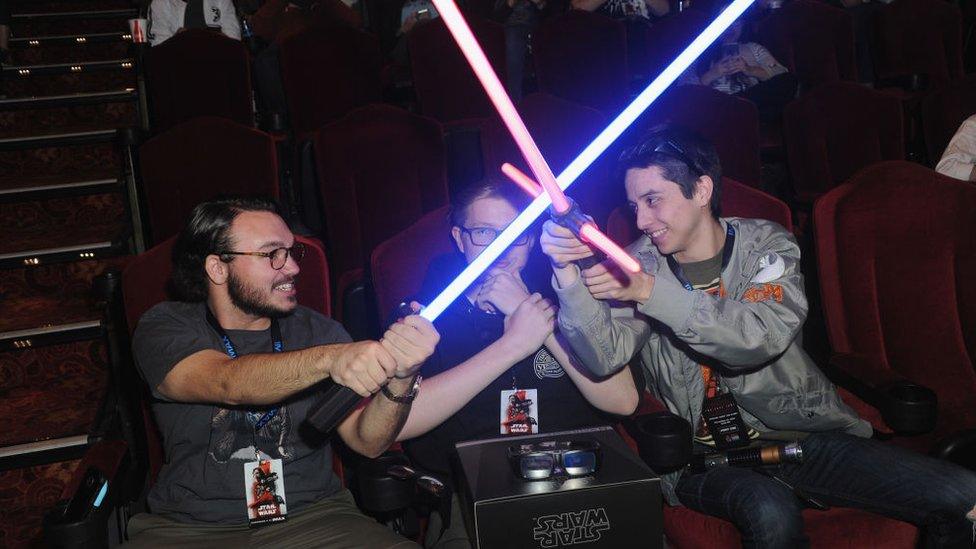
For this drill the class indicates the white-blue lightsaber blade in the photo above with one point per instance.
(587, 157)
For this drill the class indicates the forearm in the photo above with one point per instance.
(615, 394)
(273, 377)
(373, 428)
(659, 8)
(446, 393)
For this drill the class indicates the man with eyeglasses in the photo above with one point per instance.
(715, 317)
(233, 367)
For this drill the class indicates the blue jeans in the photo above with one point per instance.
(843, 471)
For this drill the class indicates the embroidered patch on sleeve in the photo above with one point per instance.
(764, 292)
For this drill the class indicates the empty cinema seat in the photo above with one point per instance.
(199, 73)
(199, 159)
(837, 129)
(328, 71)
(582, 57)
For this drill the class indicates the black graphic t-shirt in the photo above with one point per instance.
(465, 331)
(206, 446)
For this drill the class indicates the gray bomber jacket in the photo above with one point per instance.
(754, 332)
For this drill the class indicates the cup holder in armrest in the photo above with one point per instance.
(909, 408)
(663, 440)
(380, 492)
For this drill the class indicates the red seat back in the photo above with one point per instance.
(667, 38)
(446, 87)
(944, 110)
(812, 39)
(582, 57)
(196, 160)
(738, 200)
(199, 73)
(326, 72)
(837, 129)
(896, 250)
(561, 129)
(367, 200)
(919, 37)
(730, 123)
(399, 264)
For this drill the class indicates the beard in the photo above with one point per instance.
(252, 301)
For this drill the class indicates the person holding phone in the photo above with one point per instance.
(748, 70)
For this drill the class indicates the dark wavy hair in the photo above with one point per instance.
(207, 232)
(682, 155)
(489, 186)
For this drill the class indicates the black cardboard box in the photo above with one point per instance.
(617, 507)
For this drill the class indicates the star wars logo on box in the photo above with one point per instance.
(571, 528)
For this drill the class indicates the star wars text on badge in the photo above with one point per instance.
(571, 528)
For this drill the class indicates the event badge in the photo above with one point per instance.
(724, 422)
(264, 487)
(519, 412)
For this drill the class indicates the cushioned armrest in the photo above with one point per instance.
(906, 406)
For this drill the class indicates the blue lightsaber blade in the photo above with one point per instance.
(587, 157)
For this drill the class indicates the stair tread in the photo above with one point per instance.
(47, 310)
(58, 410)
(41, 182)
(56, 235)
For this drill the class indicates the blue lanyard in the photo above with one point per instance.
(726, 256)
(276, 345)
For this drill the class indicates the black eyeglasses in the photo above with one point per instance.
(666, 147)
(542, 460)
(483, 236)
(277, 256)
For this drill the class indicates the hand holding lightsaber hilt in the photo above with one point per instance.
(573, 219)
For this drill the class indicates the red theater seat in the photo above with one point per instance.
(837, 129)
(446, 87)
(668, 37)
(582, 57)
(730, 123)
(199, 73)
(399, 264)
(944, 110)
(379, 169)
(561, 129)
(328, 71)
(896, 249)
(812, 39)
(199, 159)
(919, 37)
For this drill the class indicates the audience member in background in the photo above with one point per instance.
(862, 14)
(747, 70)
(625, 9)
(234, 368)
(168, 17)
(500, 367)
(413, 13)
(959, 158)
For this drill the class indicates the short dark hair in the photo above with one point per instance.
(489, 186)
(683, 156)
(207, 232)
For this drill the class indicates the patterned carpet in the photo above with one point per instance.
(69, 54)
(67, 119)
(67, 83)
(27, 494)
(61, 222)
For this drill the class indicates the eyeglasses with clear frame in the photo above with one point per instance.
(483, 236)
(278, 256)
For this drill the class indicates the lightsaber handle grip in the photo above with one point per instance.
(337, 402)
(574, 219)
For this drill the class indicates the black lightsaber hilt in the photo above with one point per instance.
(338, 401)
(574, 219)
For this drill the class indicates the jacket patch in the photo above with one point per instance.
(764, 292)
(216, 14)
(545, 365)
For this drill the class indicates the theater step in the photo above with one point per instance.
(117, 110)
(66, 187)
(86, 21)
(67, 82)
(28, 494)
(63, 229)
(69, 49)
(24, 71)
(19, 143)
